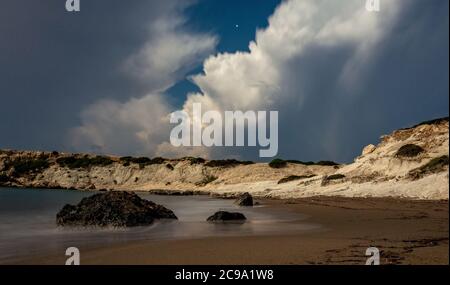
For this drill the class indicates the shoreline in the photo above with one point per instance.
(234, 195)
(411, 163)
(405, 231)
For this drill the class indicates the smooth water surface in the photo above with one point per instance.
(28, 227)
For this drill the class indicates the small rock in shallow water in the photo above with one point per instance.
(117, 209)
(222, 216)
(245, 200)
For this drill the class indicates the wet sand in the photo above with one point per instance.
(405, 232)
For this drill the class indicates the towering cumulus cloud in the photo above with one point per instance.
(336, 73)
(139, 125)
(261, 78)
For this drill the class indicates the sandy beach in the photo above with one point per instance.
(405, 232)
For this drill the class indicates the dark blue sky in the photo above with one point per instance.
(221, 17)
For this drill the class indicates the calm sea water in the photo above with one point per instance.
(27, 222)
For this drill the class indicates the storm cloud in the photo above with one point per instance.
(339, 75)
(55, 65)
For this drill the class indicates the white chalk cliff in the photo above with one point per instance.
(409, 163)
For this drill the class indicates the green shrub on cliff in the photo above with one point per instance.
(227, 163)
(435, 165)
(278, 163)
(335, 177)
(409, 150)
(328, 179)
(301, 162)
(196, 160)
(83, 162)
(294, 178)
(157, 160)
(137, 160)
(142, 161)
(326, 163)
(432, 122)
(101, 161)
(206, 180)
(23, 166)
(3, 178)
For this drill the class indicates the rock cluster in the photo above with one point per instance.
(223, 216)
(117, 209)
(245, 200)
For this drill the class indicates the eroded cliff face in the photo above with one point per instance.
(400, 152)
(89, 172)
(410, 163)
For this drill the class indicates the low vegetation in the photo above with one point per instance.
(4, 178)
(278, 163)
(335, 176)
(326, 163)
(432, 122)
(294, 178)
(73, 162)
(435, 165)
(6, 152)
(157, 160)
(196, 160)
(301, 162)
(24, 166)
(327, 179)
(227, 163)
(409, 150)
(136, 160)
(142, 161)
(206, 180)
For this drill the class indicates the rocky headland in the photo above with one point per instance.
(408, 163)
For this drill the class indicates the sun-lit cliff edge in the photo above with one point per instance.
(409, 163)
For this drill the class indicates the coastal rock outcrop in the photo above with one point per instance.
(245, 200)
(408, 163)
(117, 209)
(223, 216)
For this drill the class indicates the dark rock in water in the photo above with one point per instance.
(245, 200)
(118, 209)
(223, 216)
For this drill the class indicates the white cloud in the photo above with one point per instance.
(139, 125)
(264, 78)
(271, 75)
(254, 79)
(169, 54)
